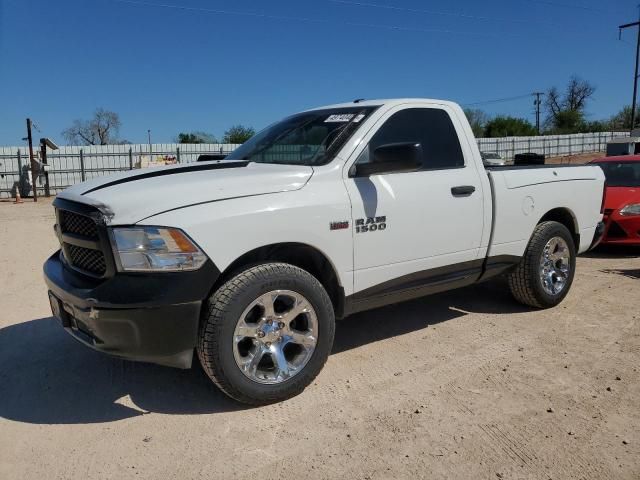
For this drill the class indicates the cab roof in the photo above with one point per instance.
(386, 102)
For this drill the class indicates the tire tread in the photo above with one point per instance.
(521, 280)
(215, 313)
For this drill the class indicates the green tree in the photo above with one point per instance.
(509, 127)
(477, 119)
(566, 111)
(568, 121)
(196, 137)
(597, 126)
(238, 134)
(622, 119)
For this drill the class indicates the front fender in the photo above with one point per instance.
(228, 229)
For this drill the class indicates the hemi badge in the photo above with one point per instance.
(338, 225)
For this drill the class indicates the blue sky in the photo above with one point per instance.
(220, 62)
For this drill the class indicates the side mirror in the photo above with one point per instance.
(392, 158)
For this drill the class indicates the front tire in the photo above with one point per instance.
(545, 273)
(266, 333)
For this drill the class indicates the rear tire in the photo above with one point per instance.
(254, 344)
(545, 273)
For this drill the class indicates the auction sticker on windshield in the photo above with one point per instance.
(344, 117)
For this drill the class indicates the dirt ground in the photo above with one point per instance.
(466, 384)
(575, 159)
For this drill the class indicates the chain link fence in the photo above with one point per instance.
(70, 165)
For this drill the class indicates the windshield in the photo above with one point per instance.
(621, 174)
(308, 138)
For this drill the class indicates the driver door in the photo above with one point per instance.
(415, 228)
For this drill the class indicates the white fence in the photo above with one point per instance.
(549, 145)
(71, 165)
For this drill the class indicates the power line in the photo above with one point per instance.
(537, 103)
(312, 20)
(430, 12)
(399, 28)
(573, 6)
(498, 100)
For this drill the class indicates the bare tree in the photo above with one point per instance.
(553, 102)
(478, 119)
(102, 129)
(622, 119)
(566, 112)
(578, 92)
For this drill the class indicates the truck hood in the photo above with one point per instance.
(130, 197)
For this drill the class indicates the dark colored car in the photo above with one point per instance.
(622, 199)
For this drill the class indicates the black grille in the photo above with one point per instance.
(616, 231)
(87, 259)
(78, 224)
(82, 239)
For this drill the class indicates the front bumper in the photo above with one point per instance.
(138, 316)
(620, 229)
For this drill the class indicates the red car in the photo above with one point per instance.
(622, 199)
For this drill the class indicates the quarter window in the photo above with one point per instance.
(431, 127)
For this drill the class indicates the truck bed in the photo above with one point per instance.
(531, 167)
(523, 195)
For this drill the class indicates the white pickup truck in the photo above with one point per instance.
(249, 260)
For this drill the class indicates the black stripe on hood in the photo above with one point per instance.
(171, 171)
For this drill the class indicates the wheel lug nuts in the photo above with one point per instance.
(268, 344)
(269, 322)
(281, 324)
(260, 334)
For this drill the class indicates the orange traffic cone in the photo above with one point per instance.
(18, 197)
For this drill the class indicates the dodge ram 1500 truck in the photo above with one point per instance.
(248, 261)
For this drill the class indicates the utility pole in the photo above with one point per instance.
(536, 102)
(34, 167)
(635, 72)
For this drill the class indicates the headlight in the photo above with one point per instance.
(631, 209)
(142, 249)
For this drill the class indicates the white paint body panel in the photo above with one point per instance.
(419, 208)
(133, 201)
(227, 230)
(230, 212)
(523, 197)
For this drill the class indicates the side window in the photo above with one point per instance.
(431, 127)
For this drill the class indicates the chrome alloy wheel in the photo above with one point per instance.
(275, 337)
(555, 265)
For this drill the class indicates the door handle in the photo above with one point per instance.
(463, 190)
